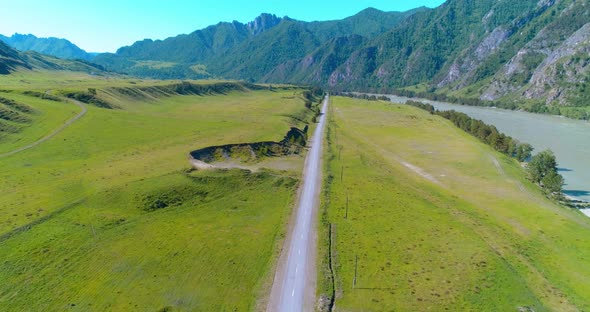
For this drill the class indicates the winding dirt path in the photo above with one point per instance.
(52, 134)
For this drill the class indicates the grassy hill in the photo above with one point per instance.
(107, 215)
(432, 219)
(12, 61)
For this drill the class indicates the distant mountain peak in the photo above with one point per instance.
(370, 9)
(53, 46)
(17, 35)
(263, 22)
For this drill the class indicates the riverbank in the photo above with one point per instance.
(401, 240)
(583, 206)
(569, 139)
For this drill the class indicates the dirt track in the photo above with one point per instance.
(52, 134)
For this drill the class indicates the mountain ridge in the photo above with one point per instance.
(57, 47)
(12, 60)
(217, 46)
(530, 54)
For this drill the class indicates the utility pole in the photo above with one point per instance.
(346, 215)
(356, 262)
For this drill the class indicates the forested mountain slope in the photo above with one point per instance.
(244, 51)
(529, 54)
(57, 47)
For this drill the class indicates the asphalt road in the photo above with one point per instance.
(295, 294)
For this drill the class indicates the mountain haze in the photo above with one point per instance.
(57, 47)
(12, 60)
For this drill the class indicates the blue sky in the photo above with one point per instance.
(106, 25)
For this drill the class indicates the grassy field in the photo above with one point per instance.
(439, 221)
(51, 80)
(48, 116)
(108, 216)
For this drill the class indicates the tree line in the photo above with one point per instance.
(362, 96)
(310, 96)
(539, 107)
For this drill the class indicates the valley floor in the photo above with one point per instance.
(419, 216)
(416, 214)
(108, 215)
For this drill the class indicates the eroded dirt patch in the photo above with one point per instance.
(251, 156)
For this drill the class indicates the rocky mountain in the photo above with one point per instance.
(245, 51)
(57, 47)
(317, 67)
(554, 65)
(263, 23)
(12, 60)
(528, 54)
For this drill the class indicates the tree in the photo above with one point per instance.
(541, 165)
(492, 138)
(523, 152)
(553, 182)
(512, 147)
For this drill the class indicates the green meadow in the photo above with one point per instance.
(108, 215)
(420, 216)
(47, 116)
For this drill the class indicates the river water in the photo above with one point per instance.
(569, 139)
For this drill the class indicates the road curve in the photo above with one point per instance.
(291, 289)
(52, 134)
